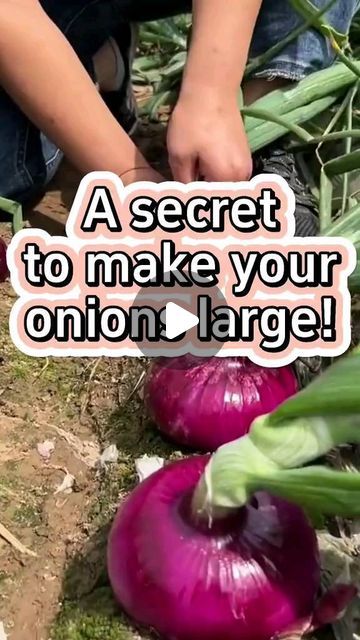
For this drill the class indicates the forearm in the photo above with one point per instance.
(41, 72)
(221, 38)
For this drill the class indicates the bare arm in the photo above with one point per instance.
(41, 72)
(216, 144)
(222, 33)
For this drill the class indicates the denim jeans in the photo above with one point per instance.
(28, 160)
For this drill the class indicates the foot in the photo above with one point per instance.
(109, 67)
(121, 101)
(283, 163)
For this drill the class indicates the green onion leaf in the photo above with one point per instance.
(308, 11)
(15, 210)
(334, 393)
(305, 427)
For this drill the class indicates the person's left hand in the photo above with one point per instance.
(208, 141)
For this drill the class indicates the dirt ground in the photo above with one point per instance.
(81, 406)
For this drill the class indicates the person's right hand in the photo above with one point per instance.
(210, 142)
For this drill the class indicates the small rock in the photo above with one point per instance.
(108, 456)
(66, 486)
(3, 635)
(147, 465)
(45, 449)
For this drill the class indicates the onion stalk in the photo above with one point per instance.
(322, 416)
(14, 209)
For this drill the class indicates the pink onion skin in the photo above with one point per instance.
(246, 579)
(4, 271)
(204, 403)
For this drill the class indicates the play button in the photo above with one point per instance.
(174, 319)
(178, 320)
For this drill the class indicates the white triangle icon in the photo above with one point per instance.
(178, 320)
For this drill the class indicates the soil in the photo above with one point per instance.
(62, 593)
(81, 405)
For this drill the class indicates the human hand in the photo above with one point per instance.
(141, 174)
(208, 141)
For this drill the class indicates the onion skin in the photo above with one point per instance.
(4, 271)
(250, 577)
(204, 403)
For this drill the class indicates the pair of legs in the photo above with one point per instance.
(28, 160)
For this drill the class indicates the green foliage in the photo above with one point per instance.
(324, 415)
(74, 624)
(334, 393)
(14, 209)
(332, 94)
(95, 619)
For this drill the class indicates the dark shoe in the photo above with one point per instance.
(283, 163)
(122, 103)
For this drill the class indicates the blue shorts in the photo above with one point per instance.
(28, 160)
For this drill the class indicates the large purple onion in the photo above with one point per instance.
(206, 402)
(4, 271)
(250, 577)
